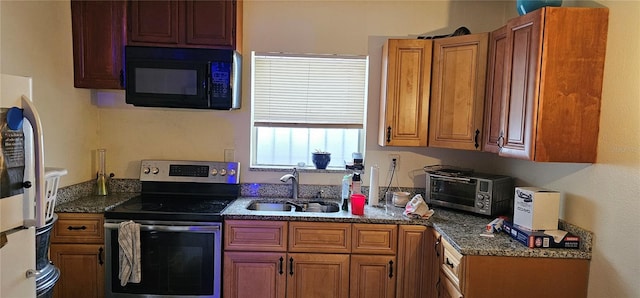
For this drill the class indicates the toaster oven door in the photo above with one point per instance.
(459, 193)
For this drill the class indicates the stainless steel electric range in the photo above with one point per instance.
(179, 212)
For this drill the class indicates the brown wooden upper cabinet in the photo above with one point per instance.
(553, 84)
(98, 29)
(495, 82)
(457, 91)
(404, 96)
(198, 24)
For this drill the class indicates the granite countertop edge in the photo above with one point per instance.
(461, 230)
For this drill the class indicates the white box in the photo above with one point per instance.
(536, 208)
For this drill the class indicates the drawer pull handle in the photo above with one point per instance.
(290, 266)
(281, 271)
(70, 228)
(390, 269)
(100, 253)
(446, 261)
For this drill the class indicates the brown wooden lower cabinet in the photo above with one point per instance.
(315, 259)
(503, 276)
(77, 249)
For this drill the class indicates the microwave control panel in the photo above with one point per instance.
(220, 79)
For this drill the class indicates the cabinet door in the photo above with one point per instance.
(154, 22)
(404, 98)
(412, 255)
(373, 276)
(98, 29)
(433, 250)
(81, 270)
(524, 46)
(210, 23)
(318, 275)
(457, 91)
(554, 84)
(494, 90)
(254, 274)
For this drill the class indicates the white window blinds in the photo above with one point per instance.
(308, 91)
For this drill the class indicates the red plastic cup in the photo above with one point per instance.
(357, 204)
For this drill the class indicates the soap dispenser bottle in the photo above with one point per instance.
(102, 176)
(345, 192)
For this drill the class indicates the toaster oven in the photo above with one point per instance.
(480, 193)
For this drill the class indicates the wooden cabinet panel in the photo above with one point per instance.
(81, 270)
(199, 28)
(98, 29)
(201, 24)
(251, 235)
(375, 239)
(412, 254)
(154, 22)
(493, 99)
(319, 237)
(373, 276)
(553, 108)
(433, 252)
(457, 91)
(254, 274)
(80, 228)
(318, 275)
(404, 98)
(559, 277)
(448, 289)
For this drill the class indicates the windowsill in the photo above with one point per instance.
(300, 169)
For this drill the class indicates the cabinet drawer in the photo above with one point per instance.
(78, 228)
(374, 239)
(448, 288)
(319, 237)
(255, 235)
(452, 263)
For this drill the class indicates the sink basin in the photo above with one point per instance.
(326, 207)
(260, 206)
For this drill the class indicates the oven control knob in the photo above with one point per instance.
(232, 172)
(214, 172)
(155, 171)
(223, 172)
(480, 197)
(146, 170)
(480, 204)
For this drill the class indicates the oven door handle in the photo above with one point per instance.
(453, 179)
(161, 228)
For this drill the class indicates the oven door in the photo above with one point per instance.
(178, 259)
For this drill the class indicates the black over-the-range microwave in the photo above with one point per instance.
(182, 78)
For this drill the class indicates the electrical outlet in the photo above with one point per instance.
(396, 158)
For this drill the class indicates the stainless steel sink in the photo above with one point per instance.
(325, 207)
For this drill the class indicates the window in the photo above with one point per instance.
(304, 103)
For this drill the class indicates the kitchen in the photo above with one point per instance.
(600, 197)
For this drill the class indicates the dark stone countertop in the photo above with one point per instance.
(461, 230)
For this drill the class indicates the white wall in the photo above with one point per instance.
(36, 41)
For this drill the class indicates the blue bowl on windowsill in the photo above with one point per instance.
(527, 6)
(321, 160)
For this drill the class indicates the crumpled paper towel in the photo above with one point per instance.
(417, 208)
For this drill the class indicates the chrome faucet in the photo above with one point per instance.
(294, 182)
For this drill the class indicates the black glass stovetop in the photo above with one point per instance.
(171, 207)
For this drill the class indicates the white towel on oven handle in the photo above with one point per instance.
(129, 252)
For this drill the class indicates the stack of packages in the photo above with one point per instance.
(535, 220)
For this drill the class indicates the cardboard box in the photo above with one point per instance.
(540, 239)
(536, 208)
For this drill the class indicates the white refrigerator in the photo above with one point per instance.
(22, 199)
